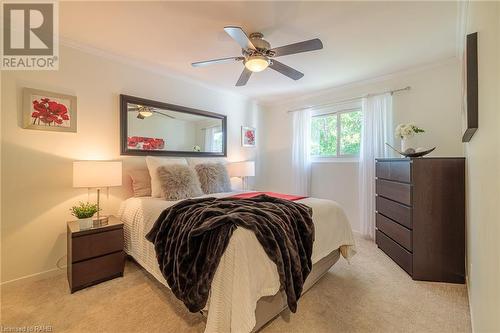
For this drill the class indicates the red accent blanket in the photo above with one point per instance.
(249, 195)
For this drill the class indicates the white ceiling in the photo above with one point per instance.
(361, 39)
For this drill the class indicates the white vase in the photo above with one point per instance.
(406, 144)
(85, 224)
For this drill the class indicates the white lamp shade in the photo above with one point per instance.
(97, 173)
(241, 169)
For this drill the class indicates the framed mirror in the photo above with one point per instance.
(155, 128)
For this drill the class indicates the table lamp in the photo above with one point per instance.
(97, 174)
(242, 170)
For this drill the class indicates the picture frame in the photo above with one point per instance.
(248, 136)
(49, 111)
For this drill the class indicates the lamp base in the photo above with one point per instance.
(244, 184)
(100, 221)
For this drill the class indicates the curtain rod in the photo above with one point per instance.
(350, 99)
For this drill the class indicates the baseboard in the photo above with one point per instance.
(35, 277)
(469, 299)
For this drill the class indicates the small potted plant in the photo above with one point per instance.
(84, 212)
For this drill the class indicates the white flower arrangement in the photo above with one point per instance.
(405, 131)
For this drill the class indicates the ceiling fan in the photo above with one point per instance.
(145, 111)
(258, 54)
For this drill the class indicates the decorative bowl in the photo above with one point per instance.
(410, 152)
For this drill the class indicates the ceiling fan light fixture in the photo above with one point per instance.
(256, 63)
(145, 112)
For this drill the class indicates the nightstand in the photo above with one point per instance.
(95, 255)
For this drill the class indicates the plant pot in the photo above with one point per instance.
(86, 223)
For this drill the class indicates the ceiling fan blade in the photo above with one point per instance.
(305, 46)
(245, 75)
(216, 61)
(286, 70)
(163, 114)
(240, 37)
(131, 106)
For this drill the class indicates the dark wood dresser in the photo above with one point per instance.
(94, 255)
(420, 216)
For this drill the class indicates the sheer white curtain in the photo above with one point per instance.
(377, 129)
(209, 138)
(301, 151)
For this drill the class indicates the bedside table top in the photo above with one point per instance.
(112, 223)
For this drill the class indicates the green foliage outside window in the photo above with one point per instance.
(350, 133)
(324, 135)
(328, 139)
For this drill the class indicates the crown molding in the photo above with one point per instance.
(145, 66)
(286, 100)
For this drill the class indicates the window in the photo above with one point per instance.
(336, 134)
(217, 142)
(213, 139)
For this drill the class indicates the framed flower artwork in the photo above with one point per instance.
(48, 111)
(247, 136)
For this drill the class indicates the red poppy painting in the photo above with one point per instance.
(143, 143)
(49, 111)
(247, 136)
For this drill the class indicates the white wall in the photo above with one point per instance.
(432, 103)
(36, 166)
(483, 175)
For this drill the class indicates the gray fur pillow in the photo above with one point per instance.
(213, 177)
(178, 182)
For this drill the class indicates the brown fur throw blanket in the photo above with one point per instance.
(191, 237)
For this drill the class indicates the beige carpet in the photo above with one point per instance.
(372, 294)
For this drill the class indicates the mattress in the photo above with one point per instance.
(245, 273)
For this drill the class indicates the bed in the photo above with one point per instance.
(245, 292)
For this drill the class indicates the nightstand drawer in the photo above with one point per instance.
(399, 192)
(398, 171)
(97, 244)
(95, 270)
(397, 253)
(395, 211)
(395, 231)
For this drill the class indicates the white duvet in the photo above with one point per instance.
(245, 273)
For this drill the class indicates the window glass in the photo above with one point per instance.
(336, 134)
(350, 133)
(324, 135)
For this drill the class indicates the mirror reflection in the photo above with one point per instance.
(155, 129)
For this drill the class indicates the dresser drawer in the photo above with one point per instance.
(98, 269)
(399, 192)
(394, 170)
(397, 253)
(394, 211)
(97, 244)
(394, 230)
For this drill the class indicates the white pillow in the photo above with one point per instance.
(153, 164)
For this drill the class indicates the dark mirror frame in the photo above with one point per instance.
(124, 99)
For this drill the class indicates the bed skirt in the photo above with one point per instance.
(270, 307)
